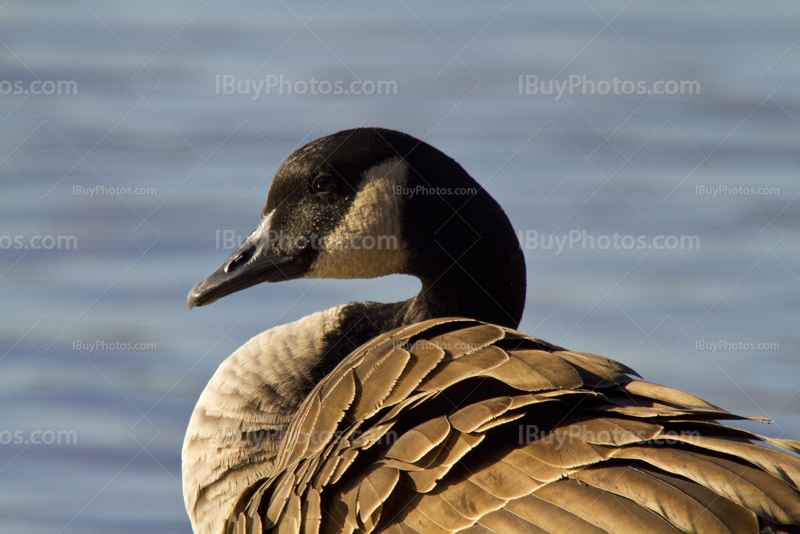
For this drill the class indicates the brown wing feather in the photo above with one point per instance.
(484, 430)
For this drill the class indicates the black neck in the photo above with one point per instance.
(465, 251)
(461, 246)
(458, 294)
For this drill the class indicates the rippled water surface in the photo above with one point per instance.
(98, 351)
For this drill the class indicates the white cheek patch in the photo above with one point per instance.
(263, 229)
(367, 243)
(261, 234)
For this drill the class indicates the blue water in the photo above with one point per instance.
(146, 115)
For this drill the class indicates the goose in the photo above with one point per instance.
(434, 414)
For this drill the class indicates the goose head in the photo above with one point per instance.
(370, 202)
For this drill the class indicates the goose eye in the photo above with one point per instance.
(324, 184)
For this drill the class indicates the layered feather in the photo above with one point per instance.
(453, 425)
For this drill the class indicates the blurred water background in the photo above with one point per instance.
(98, 353)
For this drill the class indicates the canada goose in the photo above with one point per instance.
(403, 418)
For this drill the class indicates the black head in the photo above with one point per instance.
(370, 202)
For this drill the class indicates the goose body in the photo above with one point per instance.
(434, 414)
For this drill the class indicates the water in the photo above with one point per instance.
(146, 116)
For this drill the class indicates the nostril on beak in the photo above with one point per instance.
(240, 260)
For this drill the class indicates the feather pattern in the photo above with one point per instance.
(482, 429)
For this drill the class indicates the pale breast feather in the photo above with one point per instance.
(243, 412)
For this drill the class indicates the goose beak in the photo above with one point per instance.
(255, 261)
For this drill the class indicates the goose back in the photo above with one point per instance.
(453, 425)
